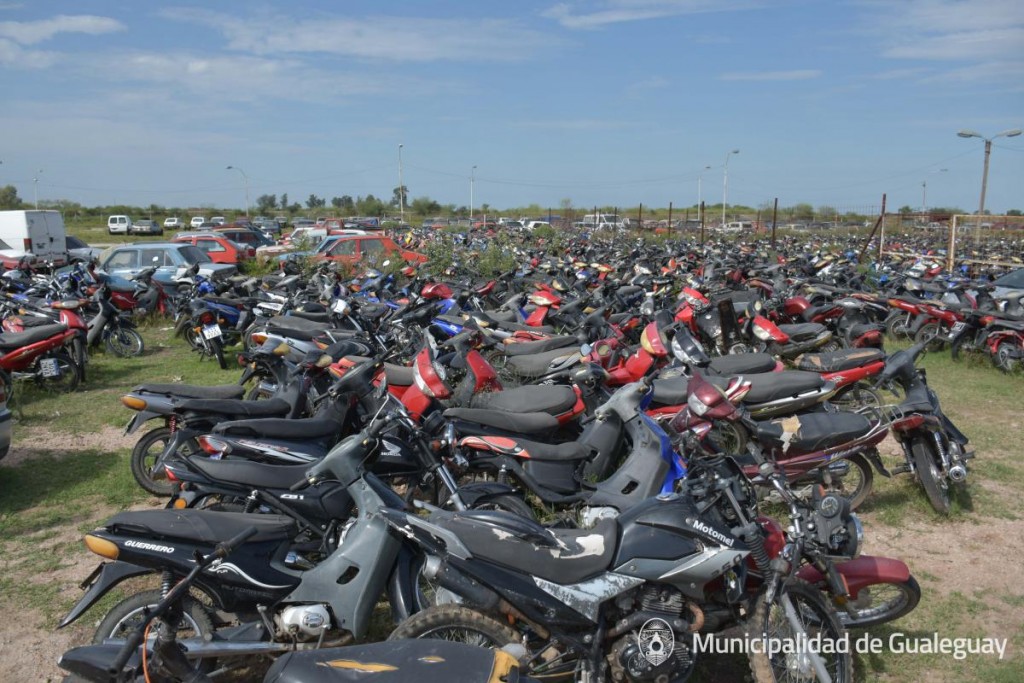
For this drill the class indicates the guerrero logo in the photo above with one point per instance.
(656, 641)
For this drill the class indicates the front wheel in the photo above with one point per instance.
(855, 397)
(880, 603)
(125, 342)
(930, 333)
(1007, 358)
(811, 623)
(929, 472)
(896, 325)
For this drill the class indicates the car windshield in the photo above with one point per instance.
(75, 243)
(192, 255)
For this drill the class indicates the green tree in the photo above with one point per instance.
(314, 202)
(9, 197)
(266, 203)
(1014, 212)
(802, 212)
(424, 206)
(284, 202)
(400, 196)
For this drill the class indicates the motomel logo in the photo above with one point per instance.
(149, 546)
(713, 533)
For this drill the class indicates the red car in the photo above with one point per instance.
(218, 247)
(358, 247)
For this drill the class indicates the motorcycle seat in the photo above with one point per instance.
(802, 331)
(203, 526)
(809, 313)
(860, 329)
(16, 340)
(528, 348)
(917, 401)
(296, 328)
(554, 400)
(452, 320)
(248, 473)
(772, 386)
(537, 364)
(563, 556)
(1017, 325)
(513, 326)
(740, 363)
(315, 316)
(837, 361)
(224, 301)
(619, 318)
(399, 375)
(28, 322)
(523, 448)
(372, 311)
(227, 391)
(813, 431)
(502, 316)
(519, 423)
(281, 427)
(275, 407)
(670, 391)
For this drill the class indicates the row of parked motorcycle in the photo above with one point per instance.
(581, 463)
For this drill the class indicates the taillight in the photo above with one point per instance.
(213, 445)
(908, 423)
(696, 405)
(206, 318)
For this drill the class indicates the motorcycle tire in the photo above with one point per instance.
(67, 379)
(930, 333)
(926, 463)
(962, 348)
(728, 437)
(144, 457)
(896, 326)
(125, 342)
(886, 601)
(183, 324)
(856, 396)
(193, 338)
(1004, 359)
(8, 385)
(816, 615)
(217, 347)
(456, 622)
(126, 615)
(855, 493)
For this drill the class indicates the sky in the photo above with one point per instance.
(598, 103)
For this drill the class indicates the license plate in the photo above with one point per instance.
(957, 327)
(49, 367)
(271, 306)
(211, 331)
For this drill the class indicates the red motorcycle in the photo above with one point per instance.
(38, 354)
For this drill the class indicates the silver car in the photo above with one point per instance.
(168, 257)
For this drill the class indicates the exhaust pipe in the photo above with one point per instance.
(958, 473)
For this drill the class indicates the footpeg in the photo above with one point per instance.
(901, 469)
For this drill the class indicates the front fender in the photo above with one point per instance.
(863, 572)
(105, 577)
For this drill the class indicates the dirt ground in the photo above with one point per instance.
(968, 556)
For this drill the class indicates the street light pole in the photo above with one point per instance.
(401, 187)
(35, 187)
(700, 202)
(725, 182)
(246, 178)
(472, 181)
(1012, 133)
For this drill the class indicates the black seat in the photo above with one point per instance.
(314, 316)
(275, 407)
(813, 431)
(837, 361)
(740, 364)
(201, 525)
(524, 448)
(503, 316)
(399, 375)
(521, 423)
(771, 386)
(226, 391)
(809, 313)
(537, 365)
(554, 400)
(860, 329)
(223, 301)
(16, 340)
(249, 473)
(513, 326)
(563, 556)
(670, 391)
(803, 331)
(281, 428)
(296, 328)
(528, 348)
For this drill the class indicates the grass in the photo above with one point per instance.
(49, 501)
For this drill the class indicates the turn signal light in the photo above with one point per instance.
(133, 402)
(259, 338)
(180, 504)
(102, 547)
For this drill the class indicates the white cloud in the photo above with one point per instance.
(618, 11)
(794, 75)
(14, 55)
(32, 32)
(388, 39)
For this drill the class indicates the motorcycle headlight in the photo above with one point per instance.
(855, 532)
(696, 405)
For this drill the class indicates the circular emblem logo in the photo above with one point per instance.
(656, 641)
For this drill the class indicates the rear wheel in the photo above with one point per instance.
(506, 503)
(125, 342)
(896, 325)
(144, 460)
(929, 332)
(456, 623)
(963, 347)
(1006, 357)
(57, 372)
(936, 486)
(856, 484)
(216, 349)
(856, 396)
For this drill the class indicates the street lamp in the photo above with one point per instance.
(924, 192)
(472, 180)
(35, 187)
(401, 188)
(700, 201)
(725, 182)
(246, 178)
(1012, 133)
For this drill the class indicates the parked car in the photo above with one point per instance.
(13, 259)
(119, 225)
(217, 247)
(252, 237)
(196, 221)
(145, 226)
(79, 250)
(218, 220)
(173, 223)
(168, 257)
(351, 249)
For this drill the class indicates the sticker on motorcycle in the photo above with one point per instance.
(212, 331)
(49, 367)
(656, 641)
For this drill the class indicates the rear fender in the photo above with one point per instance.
(104, 577)
(481, 492)
(875, 459)
(863, 572)
(142, 417)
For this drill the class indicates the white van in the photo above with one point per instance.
(121, 225)
(738, 226)
(196, 221)
(40, 233)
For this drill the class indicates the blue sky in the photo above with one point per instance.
(607, 102)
